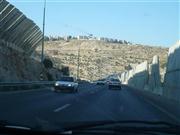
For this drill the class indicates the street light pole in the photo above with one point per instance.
(44, 17)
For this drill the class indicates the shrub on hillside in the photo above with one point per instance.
(48, 63)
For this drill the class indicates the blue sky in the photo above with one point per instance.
(146, 22)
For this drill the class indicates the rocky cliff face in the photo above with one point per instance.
(98, 59)
(15, 66)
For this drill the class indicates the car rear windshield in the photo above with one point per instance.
(67, 79)
(114, 80)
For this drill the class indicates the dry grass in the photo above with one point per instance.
(98, 59)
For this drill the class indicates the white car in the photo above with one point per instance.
(66, 84)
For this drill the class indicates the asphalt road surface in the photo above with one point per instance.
(47, 109)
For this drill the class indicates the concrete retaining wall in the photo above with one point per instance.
(147, 76)
(172, 76)
(139, 76)
(144, 76)
(154, 82)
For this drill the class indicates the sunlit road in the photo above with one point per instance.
(91, 103)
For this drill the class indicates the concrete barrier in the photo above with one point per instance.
(147, 76)
(122, 77)
(144, 76)
(138, 76)
(154, 82)
(26, 85)
(172, 76)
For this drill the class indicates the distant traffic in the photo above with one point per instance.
(70, 84)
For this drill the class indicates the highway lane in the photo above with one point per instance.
(47, 109)
(29, 107)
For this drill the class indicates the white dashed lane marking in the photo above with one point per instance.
(62, 107)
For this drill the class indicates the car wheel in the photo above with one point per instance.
(52, 89)
(75, 90)
(55, 89)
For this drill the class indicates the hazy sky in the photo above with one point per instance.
(147, 22)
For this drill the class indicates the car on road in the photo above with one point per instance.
(100, 82)
(66, 84)
(114, 84)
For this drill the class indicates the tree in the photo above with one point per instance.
(48, 63)
(49, 76)
(120, 41)
(128, 67)
(65, 70)
(125, 42)
(46, 38)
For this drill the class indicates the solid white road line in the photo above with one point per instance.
(162, 110)
(62, 107)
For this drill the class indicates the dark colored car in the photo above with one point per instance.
(100, 83)
(114, 84)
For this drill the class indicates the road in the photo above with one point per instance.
(47, 109)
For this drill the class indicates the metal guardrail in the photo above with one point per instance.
(12, 86)
(26, 83)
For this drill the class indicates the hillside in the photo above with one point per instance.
(98, 58)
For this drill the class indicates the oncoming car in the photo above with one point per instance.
(66, 84)
(114, 84)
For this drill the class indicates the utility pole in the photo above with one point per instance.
(99, 67)
(78, 62)
(44, 17)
